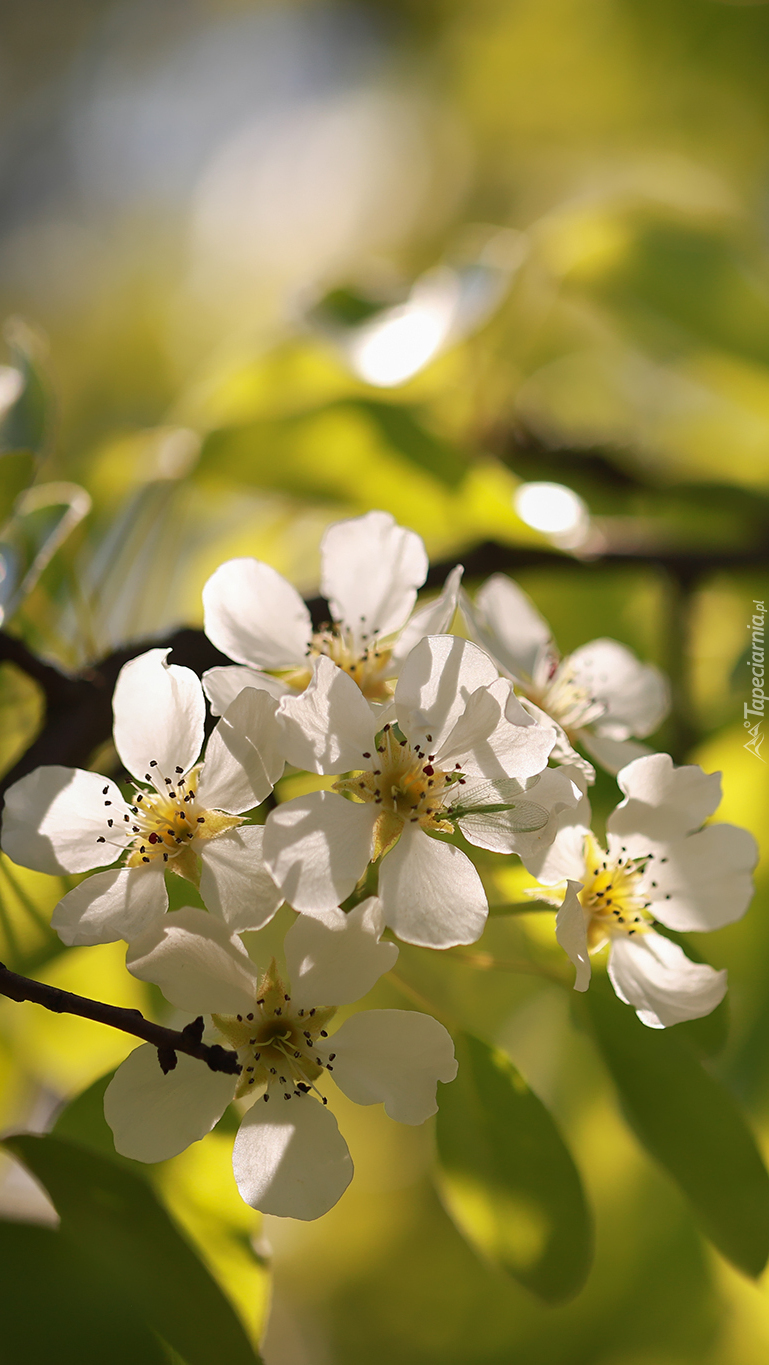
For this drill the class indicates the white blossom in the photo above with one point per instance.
(185, 816)
(371, 569)
(289, 1157)
(599, 697)
(659, 865)
(454, 749)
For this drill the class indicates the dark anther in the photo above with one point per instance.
(180, 770)
(101, 839)
(153, 763)
(323, 1033)
(104, 791)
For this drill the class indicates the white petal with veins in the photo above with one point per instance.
(656, 977)
(317, 847)
(431, 892)
(244, 756)
(196, 962)
(571, 933)
(432, 619)
(335, 958)
(437, 680)
(371, 570)
(223, 684)
(254, 616)
(54, 818)
(154, 1117)
(395, 1058)
(290, 1159)
(329, 726)
(636, 696)
(112, 905)
(159, 713)
(234, 881)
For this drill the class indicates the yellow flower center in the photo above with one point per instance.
(611, 895)
(164, 823)
(367, 666)
(277, 1043)
(406, 785)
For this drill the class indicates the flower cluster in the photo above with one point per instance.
(428, 742)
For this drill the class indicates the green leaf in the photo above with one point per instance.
(690, 1124)
(25, 424)
(58, 1305)
(17, 470)
(506, 1177)
(113, 1218)
(402, 429)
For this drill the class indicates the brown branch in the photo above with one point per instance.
(168, 1041)
(79, 707)
(78, 715)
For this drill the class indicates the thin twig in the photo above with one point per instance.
(168, 1041)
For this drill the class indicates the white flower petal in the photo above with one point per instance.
(196, 963)
(152, 1116)
(159, 714)
(317, 847)
(112, 905)
(234, 881)
(506, 623)
(571, 933)
(222, 685)
(656, 977)
(553, 791)
(371, 570)
(496, 738)
(254, 616)
(244, 756)
(432, 619)
(329, 726)
(663, 801)
(54, 817)
(564, 858)
(612, 754)
(636, 696)
(431, 893)
(395, 1058)
(705, 882)
(563, 751)
(333, 958)
(437, 680)
(290, 1159)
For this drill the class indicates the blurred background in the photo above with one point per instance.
(269, 264)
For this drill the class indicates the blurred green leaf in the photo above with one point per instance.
(25, 423)
(17, 470)
(44, 516)
(57, 1304)
(506, 1177)
(659, 283)
(82, 1120)
(113, 1217)
(690, 1124)
(401, 428)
